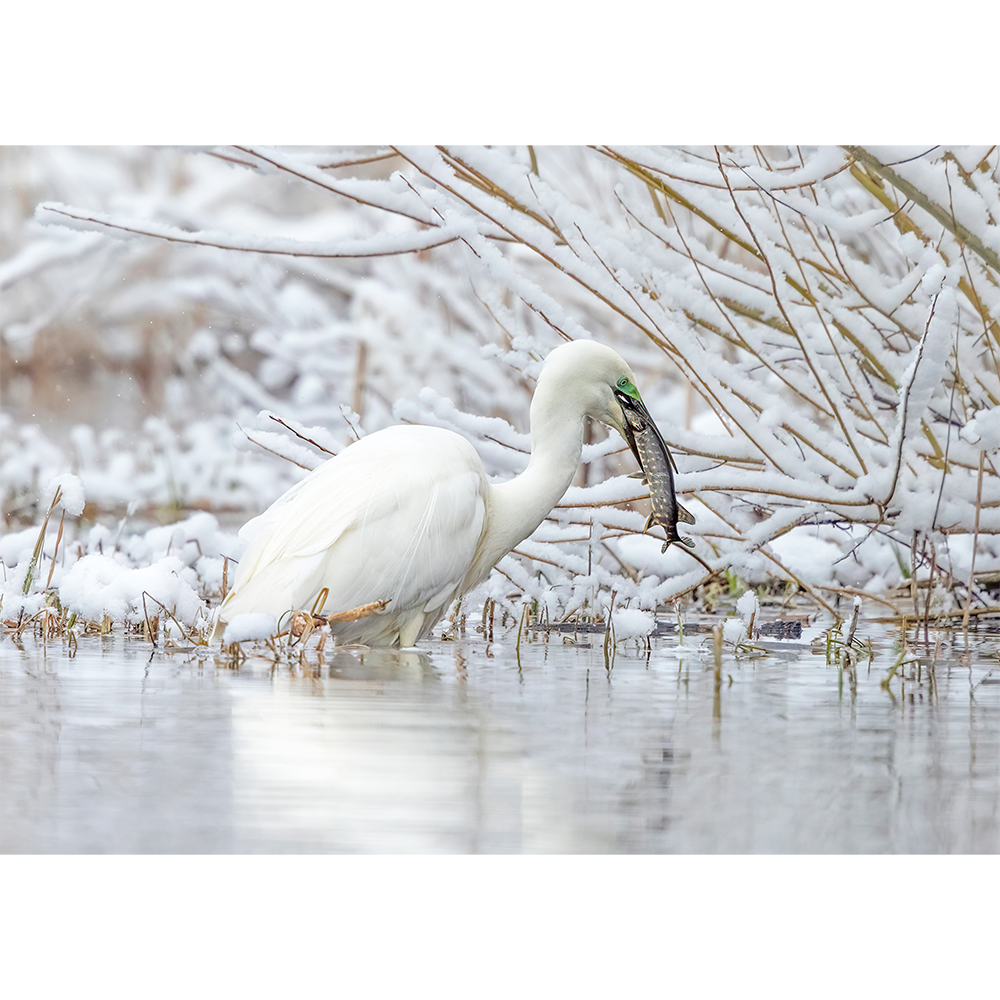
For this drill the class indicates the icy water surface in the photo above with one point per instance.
(459, 748)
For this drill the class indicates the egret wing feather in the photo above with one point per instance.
(396, 516)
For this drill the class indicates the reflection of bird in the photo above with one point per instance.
(407, 516)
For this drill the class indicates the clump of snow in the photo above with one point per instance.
(810, 557)
(748, 605)
(102, 572)
(983, 430)
(254, 625)
(18, 605)
(73, 497)
(631, 623)
(16, 546)
(733, 629)
(738, 629)
(99, 585)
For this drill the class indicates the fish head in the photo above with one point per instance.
(635, 416)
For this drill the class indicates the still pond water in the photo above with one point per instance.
(462, 748)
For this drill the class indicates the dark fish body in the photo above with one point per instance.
(651, 451)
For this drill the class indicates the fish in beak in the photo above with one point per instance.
(657, 465)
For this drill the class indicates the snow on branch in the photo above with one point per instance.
(382, 245)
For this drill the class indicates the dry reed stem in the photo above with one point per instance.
(37, 553)
(975, 543)
(914, 194)
(55, 552)
(192, 638)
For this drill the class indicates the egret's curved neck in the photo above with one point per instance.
(517, 507)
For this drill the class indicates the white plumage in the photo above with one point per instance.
(407, 514)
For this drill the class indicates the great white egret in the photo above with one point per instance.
(407, 516)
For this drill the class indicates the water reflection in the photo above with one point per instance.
(466, 748)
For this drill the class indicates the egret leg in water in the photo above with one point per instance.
(407, 516)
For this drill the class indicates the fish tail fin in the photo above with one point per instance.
(689, 542)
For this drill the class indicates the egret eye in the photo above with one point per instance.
(623, 382)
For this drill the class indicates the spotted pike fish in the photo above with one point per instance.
(656, 462)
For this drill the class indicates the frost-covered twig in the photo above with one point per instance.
(385, 245)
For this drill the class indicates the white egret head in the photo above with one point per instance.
(591, 377)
